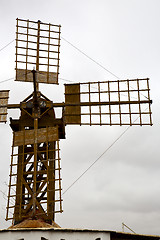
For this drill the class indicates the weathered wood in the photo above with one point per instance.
(28, 136)
(27, 76)
(37, 164)
(72, 96)
(107, 95)
(32, 45)
(4, 95)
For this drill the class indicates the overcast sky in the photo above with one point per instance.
(124, 37)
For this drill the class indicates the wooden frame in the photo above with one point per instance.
(37, 46)
(46, 178)
(35, 181)
(121, 102)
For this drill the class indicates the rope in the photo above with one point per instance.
(100, 65)
(6, 45)
(112, 144)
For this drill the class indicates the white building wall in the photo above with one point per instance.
(53, 235)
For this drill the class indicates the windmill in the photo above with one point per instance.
(34, 180)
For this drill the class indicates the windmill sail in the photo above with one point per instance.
(122, 102)
(37, 46)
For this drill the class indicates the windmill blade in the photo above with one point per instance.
(37, 46)
(122, 102)
(4, 95)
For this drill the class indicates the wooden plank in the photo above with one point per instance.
(72, 95)
(41, 76)
(4, 95)
(3, 102)
(3, 118)
(28, 136)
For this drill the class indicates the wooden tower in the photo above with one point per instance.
(35, 181)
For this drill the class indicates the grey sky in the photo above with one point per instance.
(123, 36)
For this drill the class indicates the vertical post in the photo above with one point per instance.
(130, 114)
(109, 99)
(17, 211)
(10, 182)
(140, 115)
(89, 91)
(27, 50)
(35, 98)
(35, 165)
(51, 180)
(58, 52)
(47, 167)
(59, 170)
(100, 113)
(149, 103)
(35, 115)
(119, 99)
(48, 53)
(38, 42)
(21, 176)
(16, 46)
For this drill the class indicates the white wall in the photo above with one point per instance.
(53, 235)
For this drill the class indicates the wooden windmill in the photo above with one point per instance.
(35, 181)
